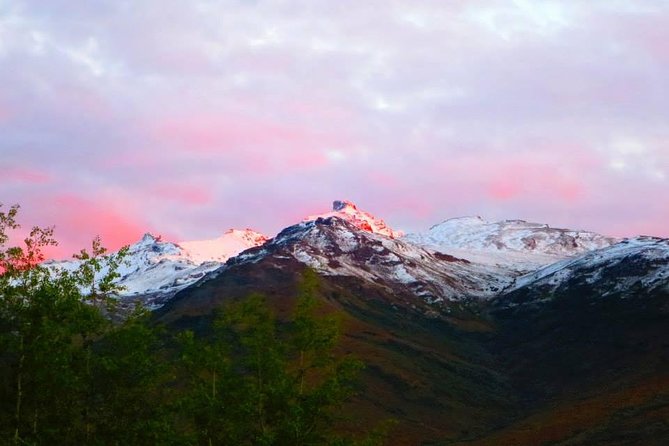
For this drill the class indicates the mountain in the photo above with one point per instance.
(401, 307)
(475, 333)
(155, 270)
(584, 345)
(351, 243)
(516, 244)
(638, 264)
(455, 260)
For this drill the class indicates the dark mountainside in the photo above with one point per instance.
(576, 353)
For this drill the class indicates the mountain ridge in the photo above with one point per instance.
(456, 259)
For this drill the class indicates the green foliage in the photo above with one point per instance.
(127, 385)
(97, 271)
(47, 329)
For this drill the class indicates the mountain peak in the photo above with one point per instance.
(347, 210)
(342, 205)
(148, 239)
(232, 242)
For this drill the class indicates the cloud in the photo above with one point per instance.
(255, 113)
(12, 175)
(183, 195)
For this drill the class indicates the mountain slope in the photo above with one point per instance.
(155, 270)
(429, 373)
(458, 363)
(220, 249)
(516, 244)
(637, 264)
(584, 346)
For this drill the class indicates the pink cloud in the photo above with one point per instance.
(558, 174)
(528, 180)
(220, 133)
(254, 145)
(183, 193)
(24, 175)
(505, 188)
(385, 180)
(78, 220)
(648, 33)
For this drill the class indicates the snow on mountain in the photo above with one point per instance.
(517, 244)
(640, 263)
(458, 258)
(220, 249)
(334, 245)
(348, 211)
(158, 269)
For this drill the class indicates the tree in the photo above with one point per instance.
(129, 375)
(261, 381)
(47, 327)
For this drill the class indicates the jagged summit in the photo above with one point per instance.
(148, 239)
(348, 211)
(340, 205)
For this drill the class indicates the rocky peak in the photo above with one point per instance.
(341, 205)
(348, 211)
(148, 239)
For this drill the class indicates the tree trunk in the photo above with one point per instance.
(19, 392)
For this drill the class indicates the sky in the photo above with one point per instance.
(188, 118)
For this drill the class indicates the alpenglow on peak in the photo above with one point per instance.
(340, 205)
(347, 210)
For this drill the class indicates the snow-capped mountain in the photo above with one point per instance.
(353, 243)
(457, 259)
(639, 264)
(587, 325)
(157, 269)
(517, 244)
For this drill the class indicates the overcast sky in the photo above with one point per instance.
(188, 118)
